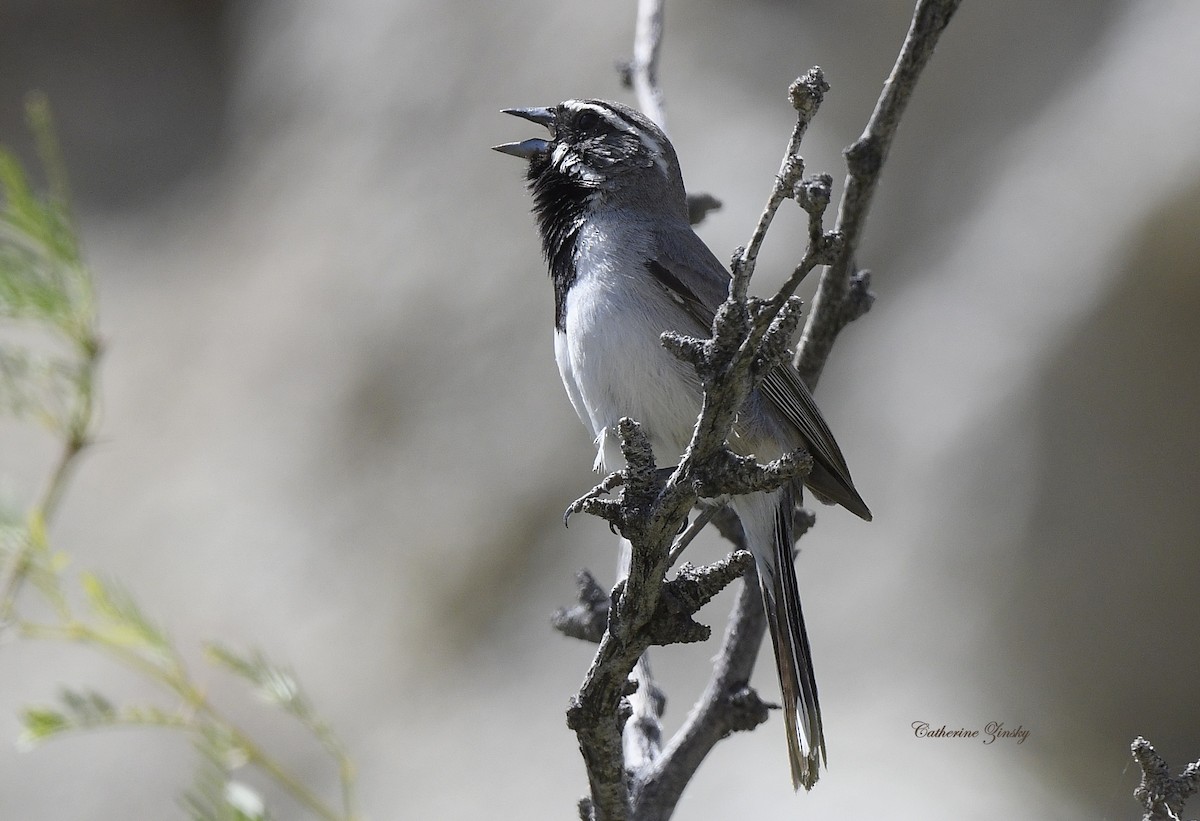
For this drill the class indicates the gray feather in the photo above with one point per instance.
(697, 281)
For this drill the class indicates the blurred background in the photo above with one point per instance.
(333, 427)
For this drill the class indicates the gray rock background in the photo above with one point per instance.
(333, 426)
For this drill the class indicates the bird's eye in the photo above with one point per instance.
(587, 121)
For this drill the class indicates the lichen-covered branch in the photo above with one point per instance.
(1161, 794)
(806, 95)
(749, 338)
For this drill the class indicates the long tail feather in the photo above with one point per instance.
(793, 657)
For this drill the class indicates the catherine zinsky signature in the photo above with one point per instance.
(992, 731)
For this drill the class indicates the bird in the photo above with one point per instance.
(611, 208)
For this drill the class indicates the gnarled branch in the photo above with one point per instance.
(1160, 793)
(748, 337)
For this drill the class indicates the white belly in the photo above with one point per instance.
(613, 365)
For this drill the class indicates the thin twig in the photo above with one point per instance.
(641, 74)
(806, 94)
(643, 69)
(693, 530)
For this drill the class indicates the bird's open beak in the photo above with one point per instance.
(532, 147)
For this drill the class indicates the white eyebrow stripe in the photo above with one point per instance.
(618, 121)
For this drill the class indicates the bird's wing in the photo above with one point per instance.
(694, 278)
(689, 269)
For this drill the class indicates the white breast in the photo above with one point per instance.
(610, 357)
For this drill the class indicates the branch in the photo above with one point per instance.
(587, 619)
(49, 228)
(749, 338)
(1160, 793)
(728, 704)
(806, 94)
(641, 74)
(643, 732)
(844, 292)
(643, 69)
(693, 530)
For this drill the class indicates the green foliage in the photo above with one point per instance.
(279, 686)
(48, 357)
(79, 711)
(42, 276)
(36, 261)
(119, 622)
(274, 684)
(36, 386)
(41, 723)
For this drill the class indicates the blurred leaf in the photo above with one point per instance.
(122, 621)
(41, 123)
(27, 289)
(43, 282)
(38, 387)
(42, 277)
(274, 684)
(89, 709)
(40, 723)
(80, 711)
(36, 252)
(21, 208)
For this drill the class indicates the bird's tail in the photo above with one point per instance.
(769, 535)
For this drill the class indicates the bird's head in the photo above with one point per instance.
(600, 150)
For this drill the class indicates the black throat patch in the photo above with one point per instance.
(560, 203)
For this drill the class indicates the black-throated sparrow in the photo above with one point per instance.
(626, 265)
